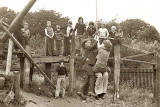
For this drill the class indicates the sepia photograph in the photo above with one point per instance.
(79, 53)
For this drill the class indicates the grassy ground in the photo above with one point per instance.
(129, 97)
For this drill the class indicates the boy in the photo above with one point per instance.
(49, 39)
(81, 29)
(101, 68)
(91, 30)
(67, 38)
(25, 34)
(59, 40)
(103, 31)
(90, 48)
(62, 73)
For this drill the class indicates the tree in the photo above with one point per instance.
(140, 30)
(37, 20)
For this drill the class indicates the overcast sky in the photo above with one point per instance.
(147, 10)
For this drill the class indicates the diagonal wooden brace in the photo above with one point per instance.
(25, 53)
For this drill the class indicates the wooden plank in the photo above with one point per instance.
(22, 71)
(48, 71)
(72, 74)
(17, 85)
(50, 59)
(158, 82)
(139, 55)
(26, 70)
(138, 61)
(116, 69)
(9, 57)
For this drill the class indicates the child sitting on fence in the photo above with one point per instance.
(61, 80)
(59, 40)
(49, 40)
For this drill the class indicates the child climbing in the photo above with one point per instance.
(101, 68)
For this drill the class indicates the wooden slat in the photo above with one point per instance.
(50, 59)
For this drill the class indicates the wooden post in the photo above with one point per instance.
(26, 76)
(22, 70)
(17, 90)
(48, 71)
(9, 56)
(72, 80)
(116, 69)
(157, 84)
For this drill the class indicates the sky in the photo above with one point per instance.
(147, 10)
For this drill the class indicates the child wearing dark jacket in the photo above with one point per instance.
(61, 80)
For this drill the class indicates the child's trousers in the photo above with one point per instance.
(60, 84)
(101, 82)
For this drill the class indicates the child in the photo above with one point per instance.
(90, 48)
(49, 39)
(101, 68)
(25, 34)
(62, 73)
(91, 30)
(103, 31)
(81, 29)
(59, 40)
(67, 38)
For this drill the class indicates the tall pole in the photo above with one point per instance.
(96, 10)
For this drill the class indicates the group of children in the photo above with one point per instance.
(93, 45)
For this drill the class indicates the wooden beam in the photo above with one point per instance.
(50, 59)
(26, 54)
(21, 71)
(72, 73)
(138, 61)
(158, 82)
(116, 70)
(17, 90)
(9, 57)
(26, 76)
(139, 55)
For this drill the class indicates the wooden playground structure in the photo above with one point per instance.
(8, 29)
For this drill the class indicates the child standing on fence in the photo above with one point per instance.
(103, 32)
(49, 39)
(61, 80)
(67, 38)
(59, 40)
(81, 30)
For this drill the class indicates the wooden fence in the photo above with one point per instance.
(137, 77)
